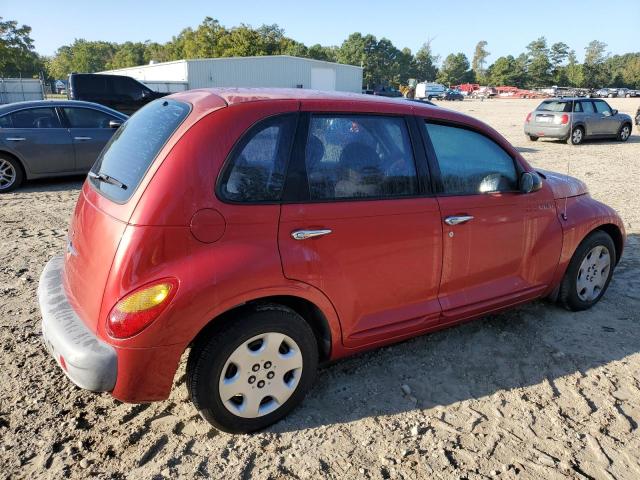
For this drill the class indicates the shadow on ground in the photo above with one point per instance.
(535, 343)
(57, 184)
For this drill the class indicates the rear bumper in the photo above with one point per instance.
(89, 362)
(551, 131)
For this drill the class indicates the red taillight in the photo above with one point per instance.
(528, 117)
(134, 312)
(565, 119)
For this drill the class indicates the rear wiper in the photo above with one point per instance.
(103, 177)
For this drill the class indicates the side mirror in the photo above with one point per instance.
(530, 182)
(614, 112)
(114, 124)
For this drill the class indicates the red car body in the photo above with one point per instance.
(391, 269)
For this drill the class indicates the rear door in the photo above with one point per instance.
(589, 117)
(39, 138)
(500, 246)
(90, 131)
(359, 224)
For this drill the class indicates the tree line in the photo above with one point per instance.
(384, 64)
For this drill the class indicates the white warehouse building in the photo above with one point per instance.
(263, 71)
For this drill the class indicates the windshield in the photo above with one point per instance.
(127, 157)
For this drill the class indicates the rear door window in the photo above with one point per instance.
(587, 107)
(471, 163)
(257, 166)
(359, 156)
(5, 121)
(130, 152)
(36, 118)
(94, 85)
(88, 118)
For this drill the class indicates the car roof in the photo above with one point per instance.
(233, 96)
(11, 107)
(568, 99)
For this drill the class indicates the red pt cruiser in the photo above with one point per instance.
(270, 230)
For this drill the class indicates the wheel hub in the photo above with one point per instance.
(593, 273)
(260, 375)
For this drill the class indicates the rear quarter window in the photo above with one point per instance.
(132, 149)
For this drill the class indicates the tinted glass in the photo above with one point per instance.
(359, 157)
(35, 118)
(555, 106)
(471, 163)
(128, 87)
(602, 107)
(577, 107)
(5, 121)
(587, 107)
(95, 85)
(88, 118)
(257, 168)
(135, 145)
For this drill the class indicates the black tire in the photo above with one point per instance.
(16, 171)
(575, 138)
(622, 135)
(568, 295)
(533, 138)
(210, 354)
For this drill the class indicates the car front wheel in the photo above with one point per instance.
(254, 371)
(533, 138)
(589, 272)
(624, 133)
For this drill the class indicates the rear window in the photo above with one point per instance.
(555, 106)
(130, 152)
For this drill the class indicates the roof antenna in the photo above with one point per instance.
(573, 106)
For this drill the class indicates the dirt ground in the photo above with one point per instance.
(537, 392)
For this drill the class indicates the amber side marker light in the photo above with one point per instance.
(140, 308)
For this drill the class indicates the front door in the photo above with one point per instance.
(362, 228)
(90, 131)
(500, 246)
(38, 137)
(607, 123)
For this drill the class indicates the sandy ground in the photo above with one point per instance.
(537, 392)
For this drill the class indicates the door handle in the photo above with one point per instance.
(16, 139)
(305, 234)
(457, 220)
(82, 138)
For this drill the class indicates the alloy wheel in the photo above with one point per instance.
(260, 375)
(593, 273)
(576, 136)
(7, 174)
(625, 132)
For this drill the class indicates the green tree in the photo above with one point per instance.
(631, 72)
(455, 70)
(81, 56)
(479, 59)
(319, 52)
(574, 71)
(594, 69)
(506, 71)
(424, 63)
(539, 65)
(17, 54)
(128, 54)
(558, 56)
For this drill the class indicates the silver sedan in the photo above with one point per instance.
(52, 138)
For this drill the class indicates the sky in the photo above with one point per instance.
(507, 26)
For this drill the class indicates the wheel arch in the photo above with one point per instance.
(304, 307)
(25, 172)
(616, 235)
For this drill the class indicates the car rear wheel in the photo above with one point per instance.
(11, 175)
(254, 371)
(533, 138)
(624, 133)
(589, 272)
(577, 136)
